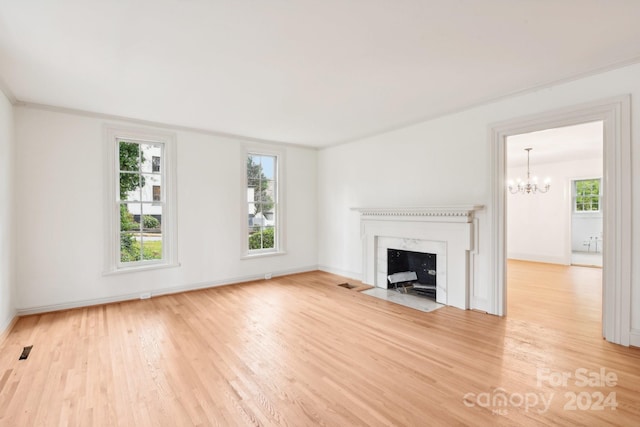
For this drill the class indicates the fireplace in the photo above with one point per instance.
(423, 264)
(448, 232)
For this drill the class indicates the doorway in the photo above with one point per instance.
(615, 113)
(549, 214)
(549, 220)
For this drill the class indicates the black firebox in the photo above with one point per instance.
(423, 264)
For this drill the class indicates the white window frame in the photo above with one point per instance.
(279, 225)
(113, 134)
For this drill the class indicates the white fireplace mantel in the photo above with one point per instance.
(451, 232)
(444, 213)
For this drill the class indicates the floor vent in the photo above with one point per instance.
(347, 285)
(25, 352)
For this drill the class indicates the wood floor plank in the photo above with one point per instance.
(300, 350)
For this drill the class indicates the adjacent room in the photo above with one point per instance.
(319, 213)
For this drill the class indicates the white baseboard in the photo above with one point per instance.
(157, 292)
(349, 274)
(634, 337)
(539, 258)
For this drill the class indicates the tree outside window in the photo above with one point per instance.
(587, 195)
(262, 201)
(141, 204)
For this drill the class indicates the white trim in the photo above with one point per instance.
(634, 338)
(616, 115)
(159, 292)
(113, 133)
(140, 268)
(562, 260)
(280, 225)
(349, 274)
(446, 213)
(265, 254)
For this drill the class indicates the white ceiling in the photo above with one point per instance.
(302, 71)
(584, 141)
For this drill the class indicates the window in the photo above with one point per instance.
(586, 195)
(262, 232)
(141, 231)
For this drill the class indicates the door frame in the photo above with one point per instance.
(615, 113)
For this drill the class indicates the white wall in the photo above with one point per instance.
(539, 226)
(59, 193)
(447, 161)
(7, 295)
(586, 227)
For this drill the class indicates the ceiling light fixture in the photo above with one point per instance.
(529, 187)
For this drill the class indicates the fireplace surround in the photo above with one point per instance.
(450, 232)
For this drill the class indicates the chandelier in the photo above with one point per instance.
(528, 187)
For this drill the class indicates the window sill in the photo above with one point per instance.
(139, 268)
(588, 213)
(262, 255)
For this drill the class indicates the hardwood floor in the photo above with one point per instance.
(299, 350)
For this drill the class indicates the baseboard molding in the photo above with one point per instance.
(344, 273)
(158, 292)
(6, 327)
(539, 258)
(634, 337)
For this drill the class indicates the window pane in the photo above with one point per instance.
(255, 238)
(267, 193)
(268, 164)
(268, 240)
(151, 231)
(148, 181)
(148, 152)
(253, 190)
(253, 167)
(130, 186)
(157, 193)
(129, 156)
(130, 247)
(128, 213)
(152, 219)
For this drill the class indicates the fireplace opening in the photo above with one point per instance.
(423, 264)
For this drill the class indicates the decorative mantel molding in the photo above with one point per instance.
(448, 213)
